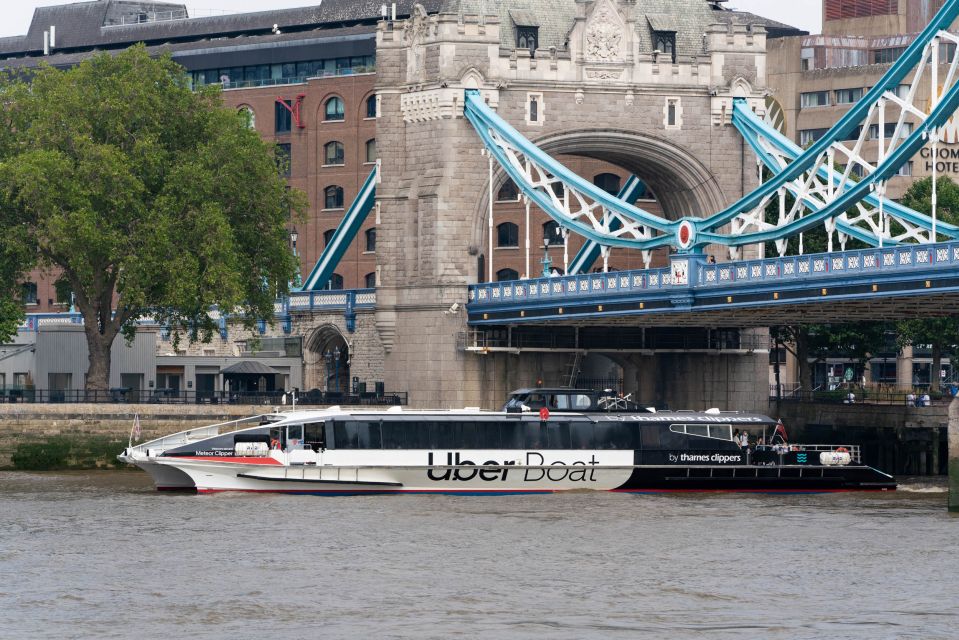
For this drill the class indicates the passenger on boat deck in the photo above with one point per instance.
(736, 436)
(744, 439)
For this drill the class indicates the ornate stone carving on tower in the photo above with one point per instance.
(414, 34)
(604, 42)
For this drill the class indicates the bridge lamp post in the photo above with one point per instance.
(547, 263)
(297, 281)
(333, 366)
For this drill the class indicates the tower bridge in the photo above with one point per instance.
(464, 109)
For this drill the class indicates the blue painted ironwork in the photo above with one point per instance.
(591, 250)
(743, 284)
(535, 171)
(344, 235)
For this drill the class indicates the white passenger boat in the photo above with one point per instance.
(336, 452)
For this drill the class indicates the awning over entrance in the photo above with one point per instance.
(249, 367)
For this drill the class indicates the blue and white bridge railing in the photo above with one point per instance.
(692, 284)
(345, 301)
(824, 195)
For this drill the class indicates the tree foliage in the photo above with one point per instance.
(941, 334)
(149, 197)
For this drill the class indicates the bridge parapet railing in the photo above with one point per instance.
(823, 266)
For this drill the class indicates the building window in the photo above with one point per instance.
(328, 237)
(848, 96)
(552, 233)
(508, 192)
(534, 109)
(559, 189)
(905, 170)
(371, 239)
(665, 44)
(507, 275)
(371, 150)
(63, 291)
(333, 153)
(284, 159)
(527, 37)
(507, 235)
(333, 197)
(809, 136)
(608, 182)
(371, 107)
(887, 56)
(283, 110)
(248, 115)
(29, 290)
(814, 99)
(890, 130)
(777, 355)
(334, 109)
(336, 282)
(370, 280)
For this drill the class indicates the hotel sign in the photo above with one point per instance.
(947, 155)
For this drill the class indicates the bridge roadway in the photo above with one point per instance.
(905, 281)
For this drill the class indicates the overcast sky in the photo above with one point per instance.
(805, 14)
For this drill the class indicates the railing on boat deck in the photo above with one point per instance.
(854, 450)
(199, 433)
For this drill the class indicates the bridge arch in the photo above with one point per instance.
(327, 355)
(683, 185)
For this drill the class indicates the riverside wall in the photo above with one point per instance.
(27, 423)
(894, 438)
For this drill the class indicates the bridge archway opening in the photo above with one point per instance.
(327, 360)
(682, 184)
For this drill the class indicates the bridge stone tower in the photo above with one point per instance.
(645, 84)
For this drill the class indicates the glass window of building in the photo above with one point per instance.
(848, 96)
(552, 233)
(814, 99)
(888, 55)
(284, 159)
(507, 275)
(369, 280)
(665, 43)
(333, 197)
(809, 136)
(371, 107)
(608, 182)
(328, 236)
(507, 235)
(335, 109)
(284, 116)
(29, 292)
(508, 192)
(371, 239)
(333, 153)
(371, 150)
(336, 282)
(527, 37)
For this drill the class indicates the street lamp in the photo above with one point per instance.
(547, 263)
(297, 281)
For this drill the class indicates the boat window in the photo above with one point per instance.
(294, 433)
(582, 435)
(535, 436)
(721, 431)
(314, 435)
(615, 435)
(535, 401)
(701, 430)
(560, 401)
(511, 435)
(581, 401)
(557, 435)
(669, 439)
(650, 435)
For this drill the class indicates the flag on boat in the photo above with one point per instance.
(780, 431)
(136, 427)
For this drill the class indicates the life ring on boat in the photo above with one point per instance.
(842, 450)
(274, 443)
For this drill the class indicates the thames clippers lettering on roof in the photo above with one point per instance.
(683, 417)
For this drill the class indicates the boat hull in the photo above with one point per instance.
(216, 476)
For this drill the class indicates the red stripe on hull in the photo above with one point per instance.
(543, 491)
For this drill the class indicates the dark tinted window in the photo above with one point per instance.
(535, 435)
(650, 435)
(557, 435)
(511, 435)
(581, 435)
(314, 434)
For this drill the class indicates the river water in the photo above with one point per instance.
(101, 555)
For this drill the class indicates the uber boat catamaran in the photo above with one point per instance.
(337, 452)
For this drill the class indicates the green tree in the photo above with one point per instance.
(941, 334)
(150, 198)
